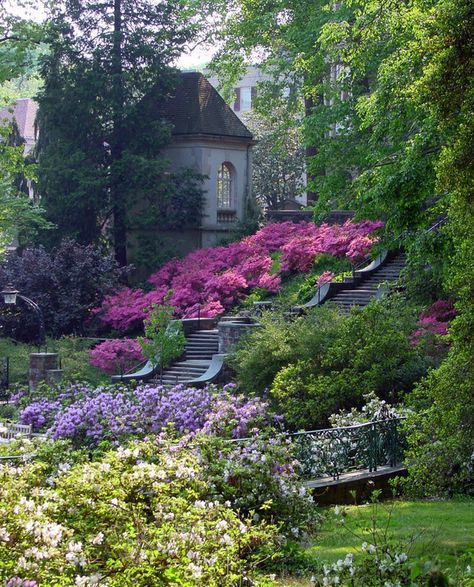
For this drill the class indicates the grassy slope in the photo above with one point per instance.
(440, 530)
(298, 288)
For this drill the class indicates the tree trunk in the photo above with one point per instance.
(116, 187)
(310, 151)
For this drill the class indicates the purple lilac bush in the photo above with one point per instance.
(208, 281)
(90, 415)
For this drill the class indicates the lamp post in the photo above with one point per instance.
(10, 297)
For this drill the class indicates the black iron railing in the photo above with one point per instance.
(334, 451)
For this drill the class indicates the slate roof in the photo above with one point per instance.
(24, 111)
(196, 108)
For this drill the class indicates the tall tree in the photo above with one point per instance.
(95, 151)
(277, 159)
(19, 41)
(367, 147)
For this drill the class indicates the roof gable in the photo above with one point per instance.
(24, 112)
(195, 107)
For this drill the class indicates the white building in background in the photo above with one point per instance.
(245, 91)
(208, 137)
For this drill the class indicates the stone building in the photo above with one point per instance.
(208, 137)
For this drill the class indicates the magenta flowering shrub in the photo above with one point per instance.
(116, 355)
(434, 321)
(351, 239)
(325, 277)
(209, 281)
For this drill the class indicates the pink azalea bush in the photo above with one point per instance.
(116, 355)
(434, 321)
(325, 277)
(209, 281)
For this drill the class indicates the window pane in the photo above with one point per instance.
(224, 187)
(245, 99)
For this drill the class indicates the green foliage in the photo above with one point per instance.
(19, 42)
(440, 435)
(100, 158)
(141, 516)
(164, 338)
(443, 444)
(324, 362)
(18, 215)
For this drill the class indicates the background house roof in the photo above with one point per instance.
(196, 108)
(24, 112)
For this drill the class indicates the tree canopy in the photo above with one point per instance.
(19, 43)
(98, 154)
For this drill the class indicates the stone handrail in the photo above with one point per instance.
(212, 372)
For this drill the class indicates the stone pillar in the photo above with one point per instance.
(231, 332)
(40, 364)
(54, 376)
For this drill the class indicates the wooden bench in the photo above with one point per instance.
(9, 430)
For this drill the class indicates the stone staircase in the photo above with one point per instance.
(370, 287)
(197, 356)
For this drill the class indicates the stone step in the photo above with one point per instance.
(193, 363)
(212, 332)
(196, 347)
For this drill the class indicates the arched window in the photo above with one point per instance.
(225, 186)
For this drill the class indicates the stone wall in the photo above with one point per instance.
(44, 367)
(231, 332)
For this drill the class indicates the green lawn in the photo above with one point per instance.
(440, 530)
(74, 355)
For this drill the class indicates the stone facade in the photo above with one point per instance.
(206, 155)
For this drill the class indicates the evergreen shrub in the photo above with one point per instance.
(324, 362)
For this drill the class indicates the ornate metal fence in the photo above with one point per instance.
(333, 451)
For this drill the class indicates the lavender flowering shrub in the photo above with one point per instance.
(245, 461)
(88, 415)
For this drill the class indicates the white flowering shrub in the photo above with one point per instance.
(139, 516)
(259, 474)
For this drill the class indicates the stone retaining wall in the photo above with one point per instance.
(231, 332)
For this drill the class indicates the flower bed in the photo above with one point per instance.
(208, 281)
(88, 415)
(206, 500)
